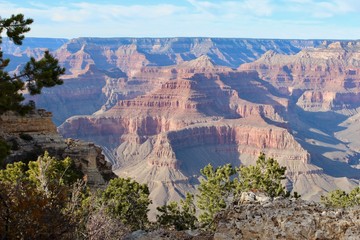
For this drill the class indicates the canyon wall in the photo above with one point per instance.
(123, 68)
(162, 109)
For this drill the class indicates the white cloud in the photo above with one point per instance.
(234, 8)
(322, 8)
(83, 12)
(133, 11)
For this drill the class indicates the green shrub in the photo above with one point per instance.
(173, 216)
(128, 201)
(341, 199)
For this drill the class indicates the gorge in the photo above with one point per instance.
(162, 109)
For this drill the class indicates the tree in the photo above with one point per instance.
(50, 174)
(36, 74)
(341, 199)
(219, 184)
(36, 200)
(128, 201)
(213, 191)
(173, 216)
(265, 176)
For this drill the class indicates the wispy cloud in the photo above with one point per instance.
(83, 11)
(235, 8)
(133, 11)
(324, 8)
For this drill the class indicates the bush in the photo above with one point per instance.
(213, 191)
(265, 176)
(127, 201)
(36, 200)
(172, 216)
(219, 184)
(341, 199)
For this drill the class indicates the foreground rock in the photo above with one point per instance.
(272, 219)
(29, 136)
(287, 219)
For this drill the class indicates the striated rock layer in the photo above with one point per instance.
(197, 113)
(103, 70)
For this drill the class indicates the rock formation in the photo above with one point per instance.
(164, 108)
(203, 113)
(123, 68)
(287, 219)
(29, 136)
(317, 79)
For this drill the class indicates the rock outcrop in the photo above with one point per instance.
(30, 135)
(259, 217)
(287, 219)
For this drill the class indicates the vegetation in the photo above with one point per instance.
(47, 199)
(264, 177)
(213, 191)
(127, 201)
(35, 75)
(220, 183)
(341, 199)
(172, 216)
(34, 199)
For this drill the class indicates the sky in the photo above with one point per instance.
(284, 19)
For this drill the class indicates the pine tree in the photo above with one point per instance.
(36, 74)
(339, 198)
(127, 201)
(213, 191)
(265, 176)
(173, 216)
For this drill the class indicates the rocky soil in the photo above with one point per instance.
(264, 218)
(288, 219)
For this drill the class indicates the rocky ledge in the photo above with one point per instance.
(31, 135)
(287, 219)
(260, 217)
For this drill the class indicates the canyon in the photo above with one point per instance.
(162, 109)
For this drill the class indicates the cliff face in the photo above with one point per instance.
(317, 79)
(203, 113)
(322, 88)
(123, 68)
(29, 136)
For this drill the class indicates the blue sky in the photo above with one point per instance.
(304, 19)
